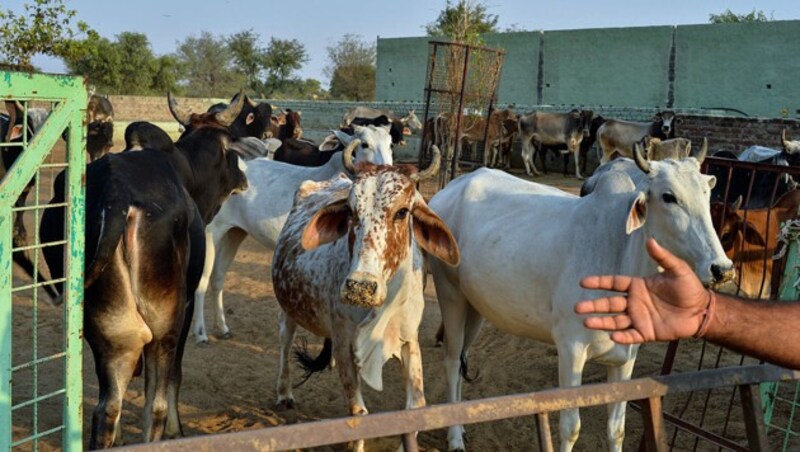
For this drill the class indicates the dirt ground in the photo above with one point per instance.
(229, 385)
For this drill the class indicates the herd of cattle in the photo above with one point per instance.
(354, 239)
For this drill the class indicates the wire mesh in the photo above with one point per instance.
(41, 390)
(714, 419)
(460, 93)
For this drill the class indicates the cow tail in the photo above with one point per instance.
(105, 234)
(310, 364)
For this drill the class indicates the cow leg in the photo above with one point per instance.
(200, 293)
(284, 387)
(616, 411)
(113, 375)
(159, 356)
(542, 153)
(411, 359)
(351, 381)
(174, 427)
(226, 249)
(571, 360)
(577, 165)
(527, 158)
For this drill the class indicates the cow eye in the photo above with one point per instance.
(669, 198)
(401, 214)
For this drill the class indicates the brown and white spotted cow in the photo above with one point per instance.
(349, 267)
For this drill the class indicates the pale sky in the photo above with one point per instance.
(318, 24)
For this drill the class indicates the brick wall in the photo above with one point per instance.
(154, 108)
(736, 134)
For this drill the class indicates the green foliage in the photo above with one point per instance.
(99, 62)
(351, 68)
(463, 21)
(208, 65)
(282, 58)
(249, 59)
(729, 17)
(45, 28)
(137, 62)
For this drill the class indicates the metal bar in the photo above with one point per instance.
(459, 115)
(753, 419)
(543, 436)
(39, 207)
(38, 361)
(41, 284)
(39, 435)
(333, 431)
(410, 442)
(39, 246)
(73, 303)
(461, 44)
(654, 436)
(695, 430)
(38, 399)
(6, 275)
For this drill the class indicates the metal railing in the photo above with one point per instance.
(540, 404)
(37, 377)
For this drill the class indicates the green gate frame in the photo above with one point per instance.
(68, 96)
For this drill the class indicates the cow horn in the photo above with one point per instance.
(735, 205)
(784, 141)
(432, 169)
(701, 155)
(229, 114)
(347, 155)
(641, 162)
(250, 101)
(178, 113)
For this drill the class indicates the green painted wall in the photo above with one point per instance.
(752, 67)
(716, 66)
(614, 66)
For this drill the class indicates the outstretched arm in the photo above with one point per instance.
(674, 304)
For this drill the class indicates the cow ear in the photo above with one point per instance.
(433, 235)
(326, 226)
(637, 213)
(406, 131)
(712, 181)
(752, 236)
(250, 118)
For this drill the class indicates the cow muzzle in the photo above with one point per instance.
(721, 274)
(363, 290)
(666, 130)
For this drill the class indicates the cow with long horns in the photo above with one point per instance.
(349, 267)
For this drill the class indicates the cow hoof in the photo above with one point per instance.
(202, 343)
(286, 404)
(227, 335)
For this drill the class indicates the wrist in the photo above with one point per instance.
(707, 315)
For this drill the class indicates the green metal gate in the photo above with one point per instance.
(41, 384)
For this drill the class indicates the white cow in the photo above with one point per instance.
(525, 246)
(349, 267)
(261, 210)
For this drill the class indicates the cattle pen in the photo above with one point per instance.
(41, 391)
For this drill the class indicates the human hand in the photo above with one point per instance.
(661, 307)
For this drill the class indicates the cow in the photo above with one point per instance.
(349, 267)
(791, 148)
(396, 128)
(527, 284)
(253, 120)
(146, 212)
(410, 120)
(591, 124)
(100, 125)
(539, 129)
(675, 148)
(502, 145)
(758, 188)
(13, 132)
(307, 153)
(99, 108)
(498, 133)
(145, 135)
(261, 212)
(750, 240)
(619, 136)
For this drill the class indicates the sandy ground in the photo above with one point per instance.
(229, 385)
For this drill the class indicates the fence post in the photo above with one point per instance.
(545, 439)
(753, 418)
(653, 425)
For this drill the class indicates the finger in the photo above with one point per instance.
(602, 305)
(617, 283)
(667, 260)
(611, 323)
(627, 337)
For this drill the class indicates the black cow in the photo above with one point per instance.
(144, 135)
(100, 126)
(252, 121)
(12, 130)
(396, 128)
(146, 213)
(540, 129)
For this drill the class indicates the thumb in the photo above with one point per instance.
(668, 261)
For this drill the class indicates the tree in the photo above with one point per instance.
(729, 17)
(249, 59)
(351, 68)
(45, 28)
(282, 59)
(166, 76)
(208, 65)
(137, 63)
(99, 62)
(463, 21)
